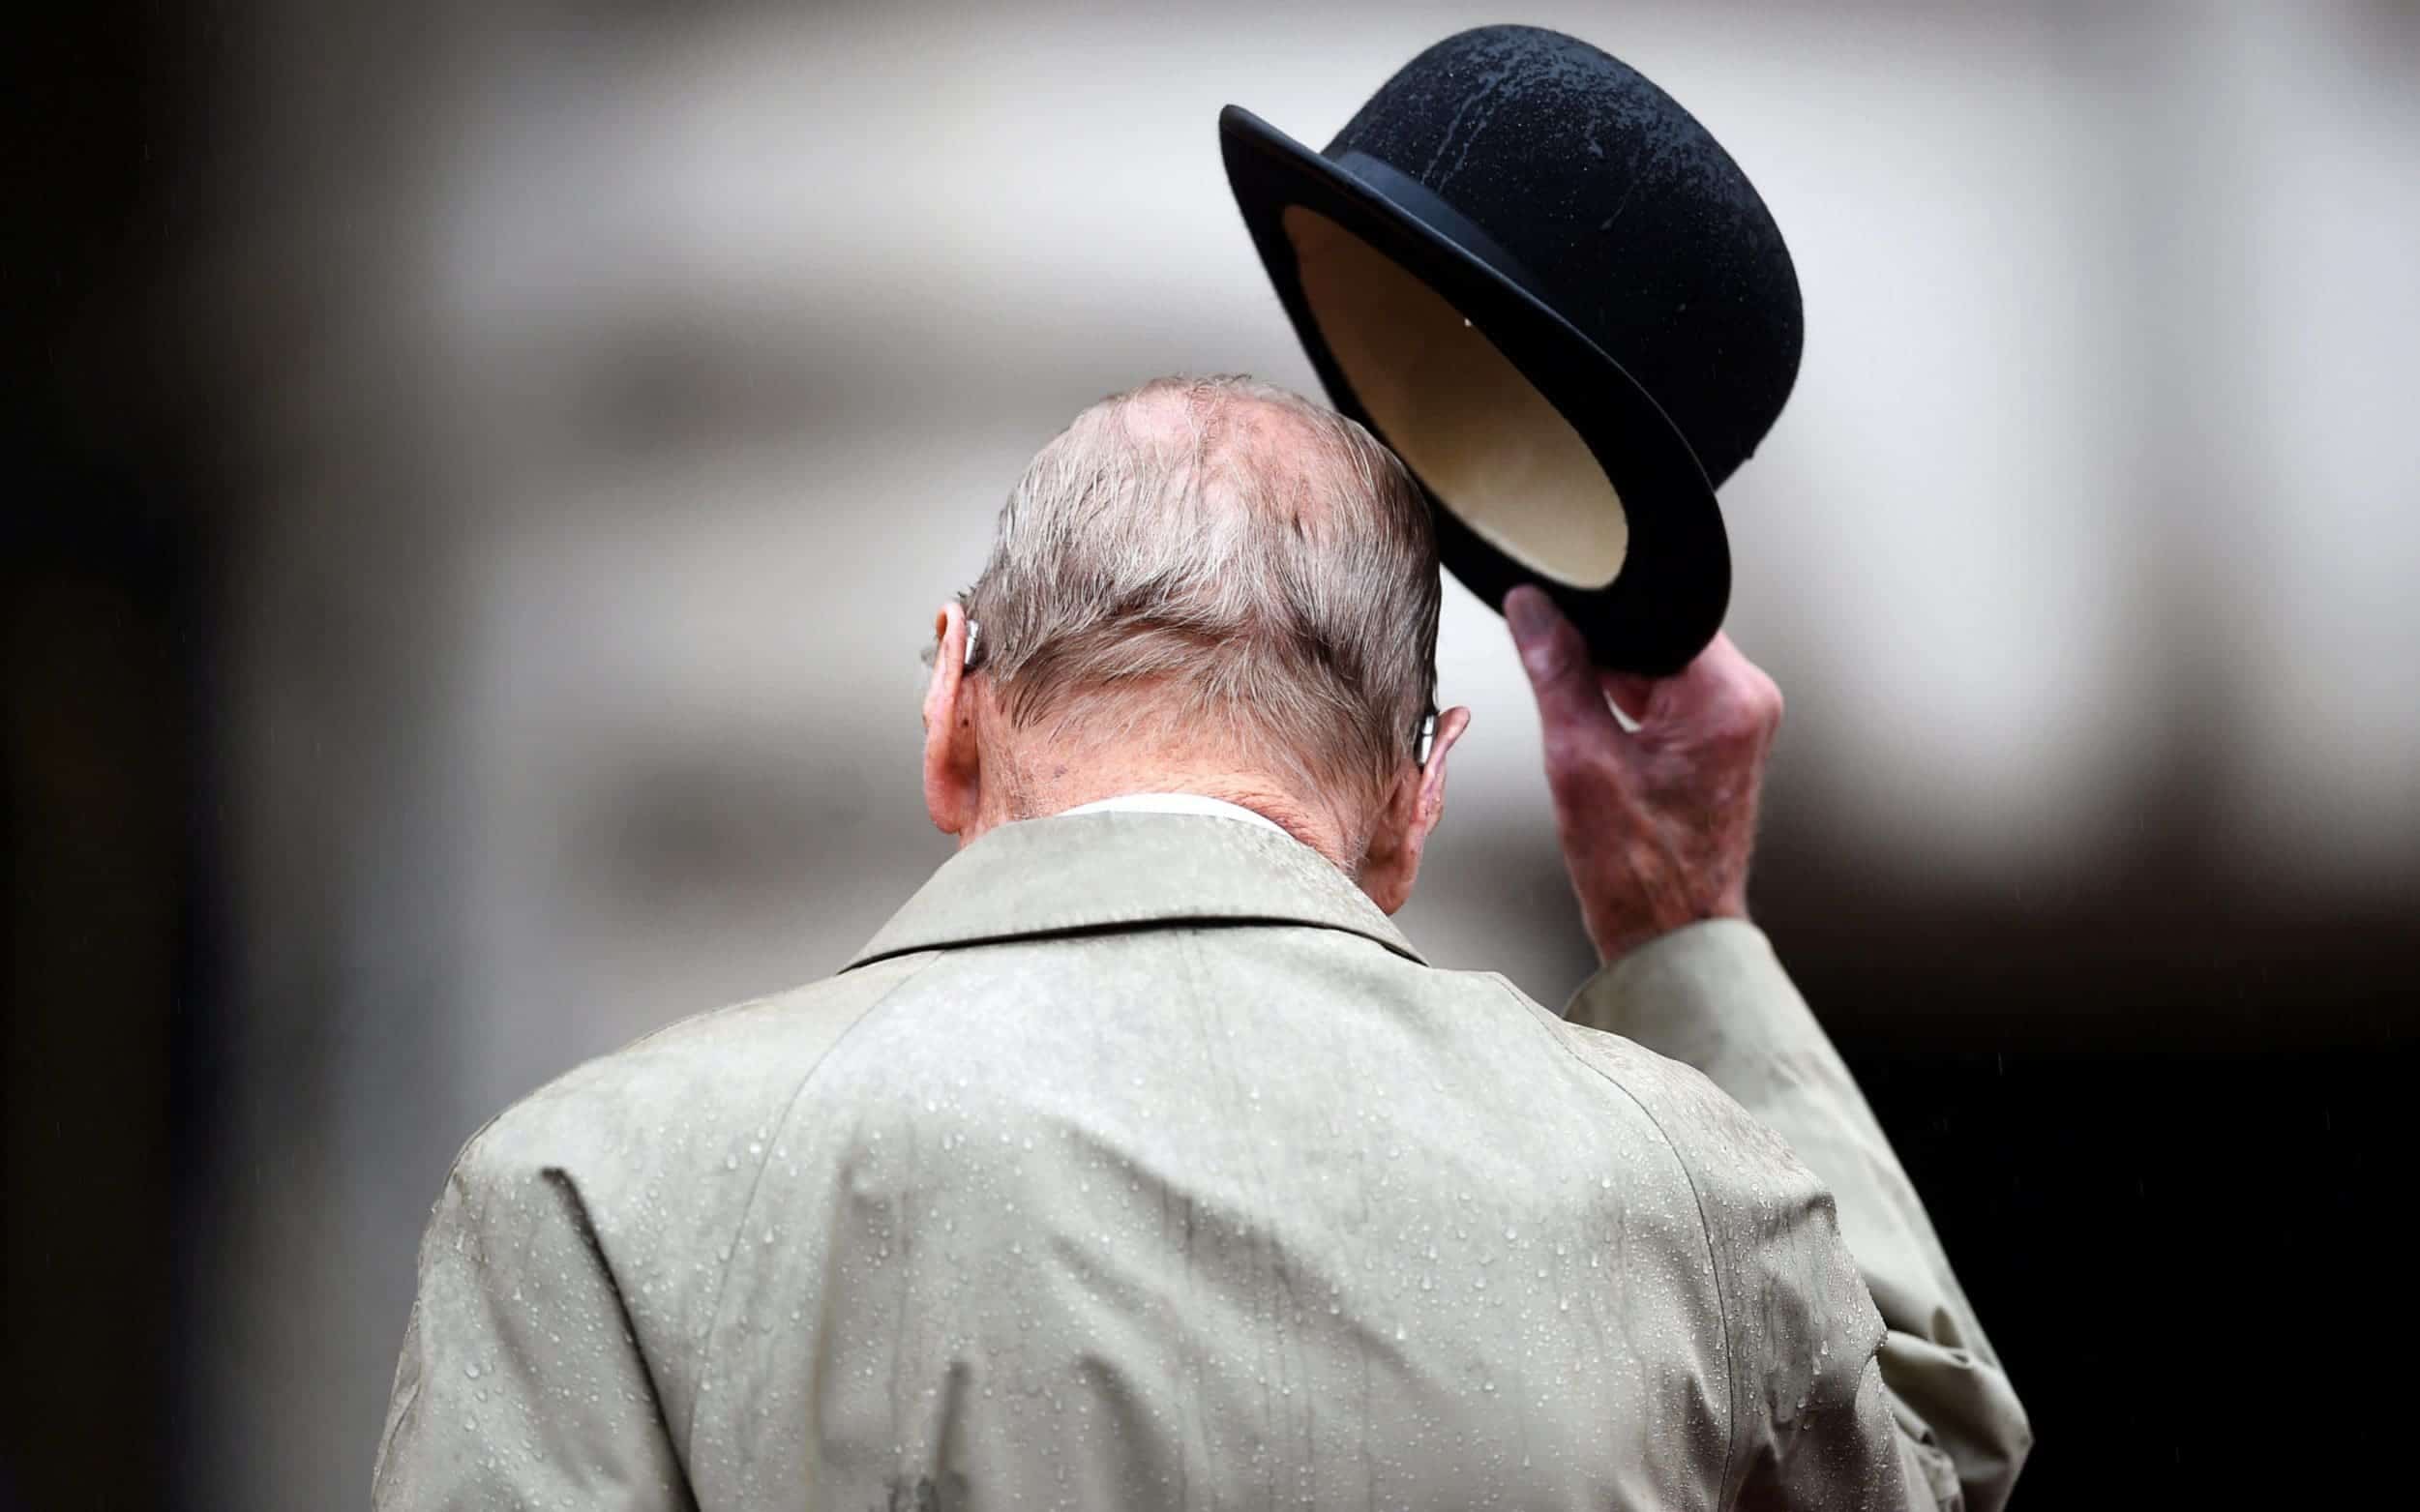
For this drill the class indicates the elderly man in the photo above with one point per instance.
(1139, 1161)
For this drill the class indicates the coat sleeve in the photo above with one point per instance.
(1715, 996)
(520, 1382)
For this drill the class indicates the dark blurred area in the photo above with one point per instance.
(481, 477)
(106, 569)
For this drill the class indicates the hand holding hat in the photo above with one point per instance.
(1656, 823)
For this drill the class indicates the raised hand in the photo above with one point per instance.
(1656, 823)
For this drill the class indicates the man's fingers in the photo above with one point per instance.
(1570, 702)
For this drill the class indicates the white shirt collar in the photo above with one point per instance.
(1175, 803)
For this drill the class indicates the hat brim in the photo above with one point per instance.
(1668, 599)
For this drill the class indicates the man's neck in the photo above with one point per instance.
(1065, 789)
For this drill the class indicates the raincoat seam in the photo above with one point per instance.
(583, 1220)
(1705, 1226)
(756, 1185)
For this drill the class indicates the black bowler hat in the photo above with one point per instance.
(1554, 294)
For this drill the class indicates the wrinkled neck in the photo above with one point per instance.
(1060, 780)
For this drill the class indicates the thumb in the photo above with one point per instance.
(1561, 673)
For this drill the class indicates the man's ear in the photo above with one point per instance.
(953, 768)
(1393, 862)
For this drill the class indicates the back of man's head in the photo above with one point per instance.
(1217, 566)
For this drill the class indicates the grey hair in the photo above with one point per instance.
(1219, 554)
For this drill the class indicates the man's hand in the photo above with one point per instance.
(1656, 823)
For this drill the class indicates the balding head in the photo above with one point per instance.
(1217, 563)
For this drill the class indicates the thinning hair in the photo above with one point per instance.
(1217, 558)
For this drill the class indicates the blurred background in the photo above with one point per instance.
(483, 473)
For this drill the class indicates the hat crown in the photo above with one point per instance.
(1624, 214)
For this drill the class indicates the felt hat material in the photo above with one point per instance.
(1551, 291)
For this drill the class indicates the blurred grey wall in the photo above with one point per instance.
(610, 397)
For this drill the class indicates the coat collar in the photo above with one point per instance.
(1070, 874)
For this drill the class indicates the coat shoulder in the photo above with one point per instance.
(643, 1165)
(1731, 1156)
(713, 1076)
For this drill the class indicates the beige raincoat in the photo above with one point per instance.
(1139, 1162)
